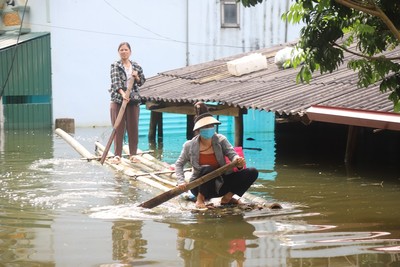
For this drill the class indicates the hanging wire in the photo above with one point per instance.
(166, 38)
(14, 54)
(158, 37)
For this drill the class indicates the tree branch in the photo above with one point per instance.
(374, 11)
(364, 56)
(359, 7)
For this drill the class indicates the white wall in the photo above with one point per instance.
(85, 35)
(260, 26)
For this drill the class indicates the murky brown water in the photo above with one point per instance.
(59, 210)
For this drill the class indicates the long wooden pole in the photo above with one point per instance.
(117, 121)
(75, 144)
(179, 190)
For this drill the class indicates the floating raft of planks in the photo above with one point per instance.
(151, 171)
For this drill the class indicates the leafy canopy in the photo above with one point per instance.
(333, 26)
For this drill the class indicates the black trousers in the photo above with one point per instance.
(236, 182)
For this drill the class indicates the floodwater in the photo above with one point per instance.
(60, 210)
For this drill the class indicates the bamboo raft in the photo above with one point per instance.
(154, 173)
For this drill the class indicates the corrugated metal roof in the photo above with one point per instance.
(8, 40)
(271, 89)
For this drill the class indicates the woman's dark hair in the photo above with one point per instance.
(124, 43)
(200, 108)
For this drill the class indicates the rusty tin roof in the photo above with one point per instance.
(272, 89)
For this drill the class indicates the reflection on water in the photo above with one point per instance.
(59, 210)
(214, 242)
(128, 242)
(24, 237)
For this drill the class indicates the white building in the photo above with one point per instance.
(163, 34)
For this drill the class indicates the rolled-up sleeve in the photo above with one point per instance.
(181, 162)
(142, 78)
(228, 149)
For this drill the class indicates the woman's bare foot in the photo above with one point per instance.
(231, 201)
(200, 202)
(133, 159)
(227, 198)
(201, 205)
(115, 160)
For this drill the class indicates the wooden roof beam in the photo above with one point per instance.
(187, 108)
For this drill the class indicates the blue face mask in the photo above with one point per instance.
(207, 133)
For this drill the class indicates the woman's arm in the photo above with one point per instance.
(181, 162)
(117, 81)
(229, 151)
(139, 75)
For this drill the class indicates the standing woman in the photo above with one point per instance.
(121, 71)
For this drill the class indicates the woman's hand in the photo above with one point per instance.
(124, 94)
(182, 187)
(135, 75)
(240, 162)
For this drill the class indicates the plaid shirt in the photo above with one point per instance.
(119, 78)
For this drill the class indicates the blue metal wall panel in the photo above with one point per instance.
(254, 121)
(176, 123)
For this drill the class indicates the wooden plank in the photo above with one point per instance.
(189, 110)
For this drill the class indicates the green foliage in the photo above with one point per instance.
(295, 14)
(248, 3)
(331, 28)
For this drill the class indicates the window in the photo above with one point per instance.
(229, 14)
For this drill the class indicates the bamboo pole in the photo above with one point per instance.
(171, 172)
(75, 144)
(128, 170)
(165, 181)
(118, 120)
(179, 190)
(153, 165)
(123, 155)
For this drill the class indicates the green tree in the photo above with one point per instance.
(332, 26)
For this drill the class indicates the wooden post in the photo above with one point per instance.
(152, 127)
(351, 143)
(160, 129)
(189, 126)
(155, 121)
(239, 129)
(66, 124)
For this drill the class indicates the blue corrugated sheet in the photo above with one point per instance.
(176, 123)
